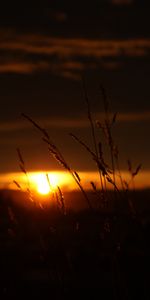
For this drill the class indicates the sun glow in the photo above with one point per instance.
(43, 186)
(44, 183)
(40, 185)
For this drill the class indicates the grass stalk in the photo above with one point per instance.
(56, 153)
(92, 132)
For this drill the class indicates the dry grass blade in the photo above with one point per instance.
(93, 186)
(21, 162)
(83, 144)
(114, 119)
(52, 191)
(129, 166)
(99, 164)
(126, 184)
(116, 152)
(20, 157)
(111, 147)
(101, 158)
(50, 143)
(77, 176)
(92, 131)
(17, 184)
(105, 98)
(100, 151)
(106, 128)
(57, 200)
(137, 170)
(36, 125)
(55, 152)
(48, 180)
(23, 169)
(52, 147)
(116, 156)
(61, 199)
(59, 159)
(112, 182)
(103, 129)
(109, 134)
(133, 173)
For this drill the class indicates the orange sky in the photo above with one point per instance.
(65, 181)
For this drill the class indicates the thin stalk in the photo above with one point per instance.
(113, 164)
(119, 172)
(58, 156)
(82, 190)
(92, 132)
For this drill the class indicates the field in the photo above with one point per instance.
(101, 253)
(78, 244)
(75, 150)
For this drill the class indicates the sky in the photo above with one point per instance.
(46, 47)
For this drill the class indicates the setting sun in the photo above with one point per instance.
(44, 183)
(43, 186)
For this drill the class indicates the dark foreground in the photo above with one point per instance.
(96, 254)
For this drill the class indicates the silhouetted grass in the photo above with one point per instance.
(45, 251)
(101, 251)
(107, 174)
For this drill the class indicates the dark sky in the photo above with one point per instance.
(45, 48)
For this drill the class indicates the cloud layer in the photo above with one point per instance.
(60, 123)
(29, 53)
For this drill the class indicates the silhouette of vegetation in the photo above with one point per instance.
(101, 251)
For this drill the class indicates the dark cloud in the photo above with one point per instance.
(45, 47)
(68, 123)
(67, 57)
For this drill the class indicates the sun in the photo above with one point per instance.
(44, 183)
(43, 187)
